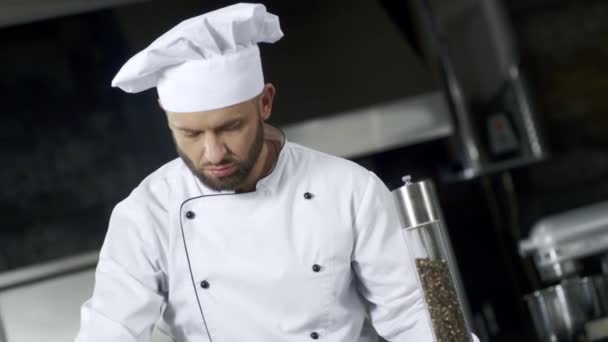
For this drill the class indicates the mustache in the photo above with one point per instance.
(223, 163)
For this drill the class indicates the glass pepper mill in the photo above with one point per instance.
(433, 259)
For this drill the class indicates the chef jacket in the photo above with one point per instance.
(314, 253)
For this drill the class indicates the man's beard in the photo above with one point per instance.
(243, 168)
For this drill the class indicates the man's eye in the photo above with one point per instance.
(191, 134)
(234, 126)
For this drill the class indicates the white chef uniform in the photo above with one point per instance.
(308, 255)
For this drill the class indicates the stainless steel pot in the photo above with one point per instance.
(559, 312)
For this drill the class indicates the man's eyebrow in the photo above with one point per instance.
(228, 123)
(220, 127)
(190, 130)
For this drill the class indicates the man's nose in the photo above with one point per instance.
(215, 151)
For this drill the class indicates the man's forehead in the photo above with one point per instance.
(211, 118)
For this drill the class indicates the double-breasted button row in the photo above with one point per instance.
(190, 215)
(315, 335)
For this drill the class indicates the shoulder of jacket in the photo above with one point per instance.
(330, 165)
(155, 189)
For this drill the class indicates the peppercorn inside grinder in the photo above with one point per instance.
(432, 258)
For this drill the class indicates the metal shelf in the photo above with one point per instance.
(43, 271)
(375, 129)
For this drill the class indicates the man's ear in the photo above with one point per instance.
(164, 111)
(266, 101)
(160, 104)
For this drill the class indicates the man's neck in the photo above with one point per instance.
(263, 166)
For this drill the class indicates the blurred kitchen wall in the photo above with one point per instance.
(72, 146)
(61, 130)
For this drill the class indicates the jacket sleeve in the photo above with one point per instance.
(384, 270)
(129, 293)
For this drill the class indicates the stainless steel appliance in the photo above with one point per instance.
(573, 309)
(557, 243)
(561, 312)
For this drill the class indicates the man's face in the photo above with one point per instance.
(220, 146)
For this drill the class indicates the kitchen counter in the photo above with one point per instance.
(36, 305)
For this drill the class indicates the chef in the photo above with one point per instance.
(246, 236)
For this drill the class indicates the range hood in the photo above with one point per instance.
(364, 131)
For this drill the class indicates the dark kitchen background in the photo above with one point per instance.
(71, 146)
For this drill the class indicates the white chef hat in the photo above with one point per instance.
(206, 62)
